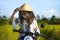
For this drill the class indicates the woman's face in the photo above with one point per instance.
(25, 15)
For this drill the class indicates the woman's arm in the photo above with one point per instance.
(11, 18)
(36, 26)
(36, 29)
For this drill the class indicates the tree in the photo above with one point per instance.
(38, 17)
(45, 19)
(4, 17)
(3, 20)
(53, 19)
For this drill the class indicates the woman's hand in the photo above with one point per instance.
(15, 11)
(11, 18)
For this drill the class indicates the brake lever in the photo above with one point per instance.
(42, 35)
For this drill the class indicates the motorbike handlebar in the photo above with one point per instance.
(37, 34)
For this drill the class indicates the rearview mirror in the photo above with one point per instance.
(42, 25)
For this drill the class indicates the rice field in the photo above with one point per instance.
(52, 32)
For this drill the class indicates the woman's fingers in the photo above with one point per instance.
(15, 10)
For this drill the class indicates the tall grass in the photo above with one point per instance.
(51, 31)
(6, 33)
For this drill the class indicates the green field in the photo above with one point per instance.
(51, 31)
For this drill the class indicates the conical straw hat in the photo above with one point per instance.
(25, 7)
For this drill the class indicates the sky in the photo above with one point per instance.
(46, 8)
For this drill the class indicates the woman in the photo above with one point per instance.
(26, 21)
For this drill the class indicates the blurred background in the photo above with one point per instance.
(45, 11)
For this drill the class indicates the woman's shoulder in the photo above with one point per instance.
(34, 20)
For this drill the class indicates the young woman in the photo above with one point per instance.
(26, 20)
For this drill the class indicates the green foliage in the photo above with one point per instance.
(52, 32)
(52, 20)
(4, 17)
(38, 17)
(3, 20)
(6, 33)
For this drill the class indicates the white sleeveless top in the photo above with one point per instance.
(33, 26)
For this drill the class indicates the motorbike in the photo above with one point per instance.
(29, 35)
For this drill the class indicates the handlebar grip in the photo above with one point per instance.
(16, 30)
